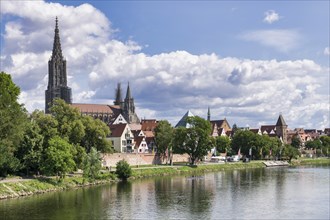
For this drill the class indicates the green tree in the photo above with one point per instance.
(223, 144)
(296, 142)
(92, 164)
(30, 150)
(13, 120)
(244, 140)
(195, 140)
(69, 124)
(47, 125)
(123, 170)
(163, 137)
(313, 144)
(290, 152)
(96, 132)
(58, 158)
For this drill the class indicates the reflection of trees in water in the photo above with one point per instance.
(186, 194)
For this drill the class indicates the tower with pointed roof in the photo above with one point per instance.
(281, 129)
(118, 94)
(57, 77)
(208, 114)
(128, 108)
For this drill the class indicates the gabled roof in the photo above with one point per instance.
(280, 121)
(117, 130)
(267, 128)
(217, 122)
(148, 124)
(182, 122)
(138, 140)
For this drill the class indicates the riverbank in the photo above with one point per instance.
(24, 187)
(15, 187)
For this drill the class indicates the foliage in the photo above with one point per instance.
(96, 132)
(30, 150)
(222, 144)
(69, 125)
(313, 144)
(163, 136)
(296, 142)
(195, 140)
(123, 170)
(325, 140)
(58, 158)
(244, 140)
(13, 120)
(92, 164)
(290, 152)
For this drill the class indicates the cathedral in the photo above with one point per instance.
(122, 110)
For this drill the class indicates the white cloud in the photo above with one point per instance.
(283, 40)
(164, 85)
(271, 16)
(326, 51)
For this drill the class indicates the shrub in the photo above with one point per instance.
(123, 170)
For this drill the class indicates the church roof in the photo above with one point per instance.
(97, 108)
(182, 122)
(280, 121)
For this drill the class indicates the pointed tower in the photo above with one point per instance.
(281, 129)
(119, 99)
(57, 77)
(129, 108)
(208, 114)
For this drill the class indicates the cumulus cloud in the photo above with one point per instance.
(164, 85)
(326, 51)
(271, 16)
(283, 40)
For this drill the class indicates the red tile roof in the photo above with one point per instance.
(94, 108)
(117, 130)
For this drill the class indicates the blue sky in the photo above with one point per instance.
(247, 60)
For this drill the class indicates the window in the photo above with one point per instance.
(123, 142)
(140, 150)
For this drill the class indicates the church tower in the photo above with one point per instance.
(129, 108)
(57, 77)
(281, 129)
(118, 94)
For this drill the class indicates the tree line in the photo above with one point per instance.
(48, 144)
(195, 140)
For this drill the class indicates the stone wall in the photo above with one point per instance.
(139, 159)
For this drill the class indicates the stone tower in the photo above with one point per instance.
(208, 114)
(129, 108)
(118, 94)
(281, 129)
(57, 77)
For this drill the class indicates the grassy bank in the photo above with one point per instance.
(179, 170)
(311, 161)
(17, 188)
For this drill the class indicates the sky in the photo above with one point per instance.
(248, 61)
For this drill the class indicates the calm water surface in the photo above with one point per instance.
(265, 193)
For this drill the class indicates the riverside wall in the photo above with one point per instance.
(110, 160)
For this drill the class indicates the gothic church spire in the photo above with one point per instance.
(57, 77)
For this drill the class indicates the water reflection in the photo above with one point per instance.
(276, 193)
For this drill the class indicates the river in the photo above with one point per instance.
(263, 193)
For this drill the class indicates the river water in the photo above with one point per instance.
(263, 193)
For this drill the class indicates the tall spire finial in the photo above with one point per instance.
(56, 23)
(208, 114)
(57, 51)
(128, 93)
